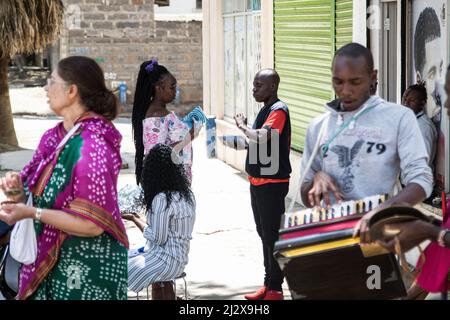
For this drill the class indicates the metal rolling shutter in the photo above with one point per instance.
(344, 22)
(305, 42)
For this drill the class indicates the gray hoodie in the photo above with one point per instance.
(382, 142)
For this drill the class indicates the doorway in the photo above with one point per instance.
(389, 74)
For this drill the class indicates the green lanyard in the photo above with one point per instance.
(326, 146)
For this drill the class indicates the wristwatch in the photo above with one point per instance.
(441, 237)
(38, 214)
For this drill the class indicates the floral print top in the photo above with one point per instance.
(168, 130)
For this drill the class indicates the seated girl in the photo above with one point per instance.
(170, 209)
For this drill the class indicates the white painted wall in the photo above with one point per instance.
(359, 22)
(375, 24)
(213, 59)
(267, 35)
(178, 7)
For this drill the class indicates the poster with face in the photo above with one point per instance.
(429, 53)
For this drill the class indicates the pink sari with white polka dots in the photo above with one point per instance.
(89, 190)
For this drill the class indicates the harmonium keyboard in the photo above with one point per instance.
(321, 260)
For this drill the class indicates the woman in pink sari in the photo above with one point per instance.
(81, 240)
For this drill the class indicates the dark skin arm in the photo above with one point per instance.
(412, 234)
(261, 135)
(321, 187)
(136, 219)
(193, 133)
(239, 143)
(411, 195)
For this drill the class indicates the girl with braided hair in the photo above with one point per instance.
(170, 210)
(153, 123)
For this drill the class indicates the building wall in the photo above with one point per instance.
(213, 60)
(121, 34)
(376, 29)
(116, 33)
(178, 45)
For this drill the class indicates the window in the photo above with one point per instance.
(198, 4)
(242, 44)
(254, 5)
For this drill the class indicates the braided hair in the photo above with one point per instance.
(150, 75)
(161, 175)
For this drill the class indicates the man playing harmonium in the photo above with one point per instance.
(362, 146)
(367, 142)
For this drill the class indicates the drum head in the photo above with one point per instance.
(391, 215)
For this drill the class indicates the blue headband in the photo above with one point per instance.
(151, 66)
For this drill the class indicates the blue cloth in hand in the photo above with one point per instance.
(196, 115)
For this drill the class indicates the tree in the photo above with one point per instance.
(26, 26)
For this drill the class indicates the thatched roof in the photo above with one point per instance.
(27, 26)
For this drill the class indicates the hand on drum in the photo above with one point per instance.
(322, 186)
(410, 234)
(362, 230)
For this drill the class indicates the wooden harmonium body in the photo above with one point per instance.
(321, 260)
